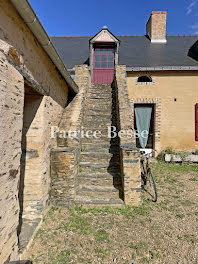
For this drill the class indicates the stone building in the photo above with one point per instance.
(35, 88)
(108, 78)
(161, 73)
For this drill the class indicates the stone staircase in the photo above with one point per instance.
(99, 180)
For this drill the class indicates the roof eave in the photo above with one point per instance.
(163, 68)
(28, 15)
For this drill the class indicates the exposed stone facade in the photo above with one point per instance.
(33, 96)
(37, 169)
(65, 157)
(11, 105)
(130, 158)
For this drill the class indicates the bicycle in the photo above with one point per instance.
(146, 175)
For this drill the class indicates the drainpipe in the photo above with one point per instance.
(27, 13)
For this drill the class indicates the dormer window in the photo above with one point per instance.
(104, 48)
(144, 79)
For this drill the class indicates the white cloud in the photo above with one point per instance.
(191, 6)
(195, 26)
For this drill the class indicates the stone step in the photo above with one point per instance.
(102, 137)
(98, 119)
(99, 175)
(97, 189)
(99, 126)
(99, 96)
(95, 124)
(96, 155)
(105, 129)
(99, 179)
(103, 145)
(98, 201)
(98, 194)
(99, 164)
(99, 102)
(94, 159)
(104, 116)
(93, 99)
(92, 147)
(89, 167)
(98, 93)
(100, 84)
(101, 88)
(100, 111)
(98, 141)
(111, 170)
(107, 107)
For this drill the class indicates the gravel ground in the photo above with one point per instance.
(162, 232)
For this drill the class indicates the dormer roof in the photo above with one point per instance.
(104, 35)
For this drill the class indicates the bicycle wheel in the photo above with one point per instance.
(143, 178)
(153, 190)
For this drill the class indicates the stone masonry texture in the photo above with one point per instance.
(130, 158)
(156, 26)
(32, 98)
(65, 156)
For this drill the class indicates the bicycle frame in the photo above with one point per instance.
(144, 161)
(146, 175)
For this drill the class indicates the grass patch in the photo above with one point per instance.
(101, 253)
(191, 238)
(162, 168)
(63, 257)
(126, 211)
(193, 179)
(139, 247)
(101, 236)
(78, 223)
(126, 234)
(39, 233)
(187, 202)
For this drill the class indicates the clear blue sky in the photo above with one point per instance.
(123, 17)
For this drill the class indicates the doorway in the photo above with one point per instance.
(144, 119)
(30, 192)
(103, 64)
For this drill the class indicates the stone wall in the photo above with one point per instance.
(65, 158)
(130, 157)
(27, 54)
(11, 121)
(24, 63)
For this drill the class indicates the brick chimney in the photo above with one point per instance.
(156, 27)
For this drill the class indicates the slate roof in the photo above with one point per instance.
(135, 51)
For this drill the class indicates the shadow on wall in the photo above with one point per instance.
(32, 102)
(114, 167)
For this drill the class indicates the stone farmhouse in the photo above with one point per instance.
(52, 86)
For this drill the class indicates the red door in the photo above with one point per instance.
(196, 122)
(103, 65)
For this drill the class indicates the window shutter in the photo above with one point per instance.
(196, 122)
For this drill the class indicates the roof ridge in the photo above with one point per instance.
(183, 35)
(137, 35)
